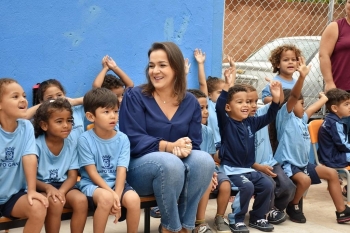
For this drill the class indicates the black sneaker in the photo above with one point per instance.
(262, 225)
(295, 214)
(344, 216)
(239, 227)
(276, 216)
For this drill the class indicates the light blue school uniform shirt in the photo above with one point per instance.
(285, 85)
(78, 127)
(207, 144)
(294, 139)
(213, 121)
(263, 150)
(105, 154)
(52, 168)
(13, 146)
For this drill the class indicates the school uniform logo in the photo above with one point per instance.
(106, 162)
(53, 174)
(9, 154)
(250, 134)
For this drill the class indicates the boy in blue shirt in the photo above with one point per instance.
(333, 140)
(237, 154)
(18, 160)
(104, 156)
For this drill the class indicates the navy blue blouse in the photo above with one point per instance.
(142, 120)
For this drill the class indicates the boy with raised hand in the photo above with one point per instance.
(237, 154)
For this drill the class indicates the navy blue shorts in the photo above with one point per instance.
(92, 205)
(309, 170)
(6, 208)
(221, 178)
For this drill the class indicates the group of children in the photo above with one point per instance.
(45, 156)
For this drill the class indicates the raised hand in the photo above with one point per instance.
(231, 61)
(302, 68)
(104, 62)
(111, 63)
(322, 95)
(230, 75)
(199, 56)
(187, 66)
(275, 88)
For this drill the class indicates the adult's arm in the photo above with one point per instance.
(328, 40)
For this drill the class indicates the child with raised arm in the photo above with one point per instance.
(220, 181)
(58, 165)
(294, 147)
(212, 88)
(237, 154)
(18, 156)
(104, 155)
(264, 162)
(111, 82)
(283, 59)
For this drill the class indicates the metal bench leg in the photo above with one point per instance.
(147, 227)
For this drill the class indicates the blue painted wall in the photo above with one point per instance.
(67, 39)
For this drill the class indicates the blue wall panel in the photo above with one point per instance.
(66, 40)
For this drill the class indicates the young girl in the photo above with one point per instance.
(284, 60)
(52, 89)
(212, 88)
(58, 165)
(294, 147)
(18, 157)
(111, 82)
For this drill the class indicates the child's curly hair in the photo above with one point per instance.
(275, 56)
(336, 96)
(111, 81)
(45, 110)
(3, 82)
(212, 83)
(248, 87)
(233, 90)
(197, 93)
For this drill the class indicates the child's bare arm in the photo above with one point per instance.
(118, 71)
(120, 180)
(296, 90)
(69, 182)
(187, 66)
(200, 58)
(317, 105)
(233, 66)
(96, 178)
(31, 111)
(30, 164)
(264, 168)
(76, 101)
(101, 76)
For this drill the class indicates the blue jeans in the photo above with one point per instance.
(177, 184)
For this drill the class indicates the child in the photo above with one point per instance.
(284, 61)
(220, 181)
(111, 82)
(52, 89)
(18, 157)
(211, 88)
(58, 164)
(237, 154)
(104, 156)
(334, 145)
(264, 162)
(294, 147)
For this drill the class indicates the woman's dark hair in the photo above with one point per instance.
(45, 110)
(272, 125)
(176, 62)
(111, 81)
(43, 87)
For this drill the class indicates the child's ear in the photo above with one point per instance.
(90, 116)
(227, 108)
(334, 108)
(43, 125)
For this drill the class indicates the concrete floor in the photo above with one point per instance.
(318, 209)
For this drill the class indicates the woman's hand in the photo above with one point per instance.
(182, 147)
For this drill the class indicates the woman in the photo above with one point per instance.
(335, 53)
(163, 123)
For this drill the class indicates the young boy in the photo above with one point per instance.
(264, 162)
(220, 181)
(18, 156)
(333, 141)
(284, 59)
(237, 154)
(104, 156)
